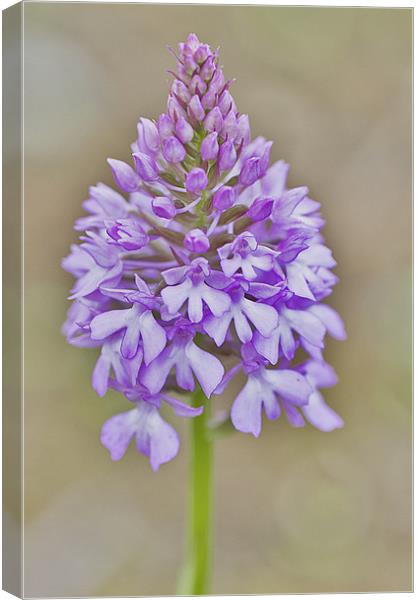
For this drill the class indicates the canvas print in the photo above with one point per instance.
(214, 300)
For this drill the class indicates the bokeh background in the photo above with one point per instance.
(296, 510)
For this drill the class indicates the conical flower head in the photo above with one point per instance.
(204, 253)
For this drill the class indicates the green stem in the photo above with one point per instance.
(195, 576)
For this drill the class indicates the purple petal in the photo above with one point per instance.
(331, 320)
(100, 375)
(182, 409)
(246, 412)
(153, 336)
(217, 301)
(109, 322)
(217, 327)
(320, 415)
(175, 295)
(292, 386)
(206, 367)
(306, 325)
(263, 316)
(117, 432)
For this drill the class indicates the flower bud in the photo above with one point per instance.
(195, 109)
(163, 207)
(196, 241)
(224, 198)
(125, 177)
(146, 166)
(202, 53)
(264, 159)
(196, 181)
(217, 81)
(227, 156)
(197, 86)
(260, 209)
(229, 129)
(165, 126)
(209, 99)
(209, 147)
(180, 90)
(174, 109)
(244, 128)
(214, 120)
(250, 171)
(128, 234)
(148, 137)
(184, 130)
(207, 69)
(225, 103)
(192, 42)
(173, 151)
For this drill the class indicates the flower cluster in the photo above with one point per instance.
(204, 252)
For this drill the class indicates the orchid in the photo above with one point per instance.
(203, 255)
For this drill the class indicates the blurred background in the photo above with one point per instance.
(296, 510)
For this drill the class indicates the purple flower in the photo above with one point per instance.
(125, 177)
(268, 390)
(206, 253)
(188, 284)
(196, 241)
(244, 254)
(128, 234)
(196, 181)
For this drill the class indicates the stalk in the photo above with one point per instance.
(196, 572)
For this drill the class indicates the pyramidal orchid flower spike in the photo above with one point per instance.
(202, 252)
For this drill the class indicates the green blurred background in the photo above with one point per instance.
(296, 510)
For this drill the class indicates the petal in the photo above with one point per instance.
(164, 441)
(307, 325)
(320, 374)
(182, 409)
(287, 341)
(175, 295)
(320, 415)
(195, 304)
(207, 368)
(244, 331)
(293, 415)
(100, 375)
(217, 327)
(218, 302)
(297, 282)
(117, 432)
(155, 374)
(246, 412)
(271, 404)
(109, 322)
(154, 437)
(263, 316)
(268, 347)
(331, 320)
(184, 375)
(230, 265)
(131, 337)
(153, 336)
(292, 386)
